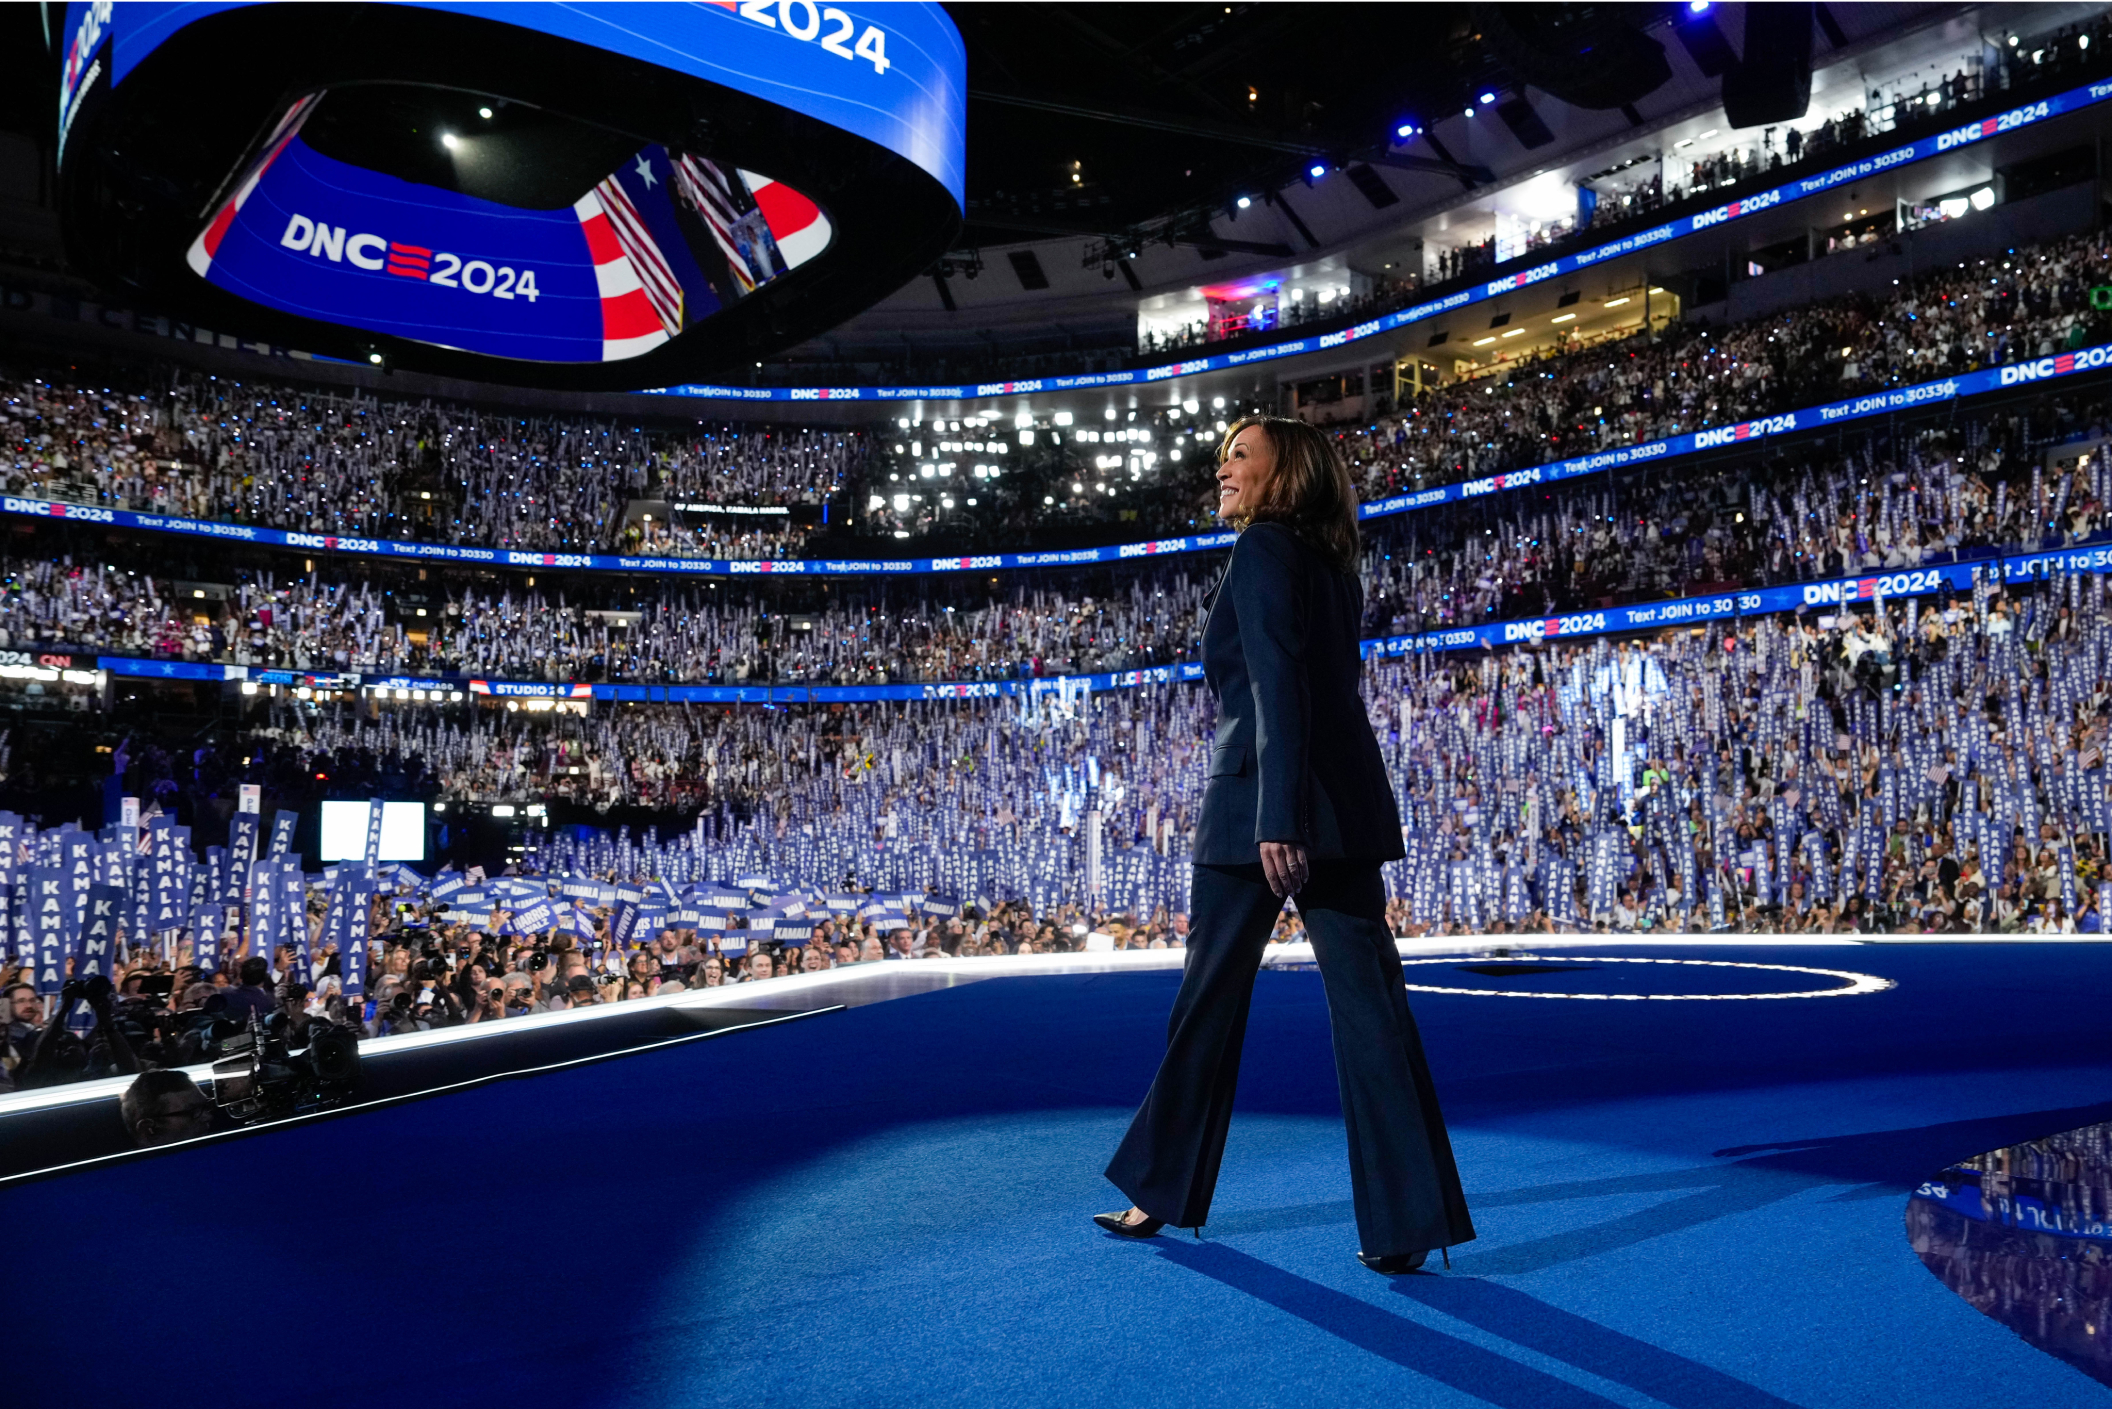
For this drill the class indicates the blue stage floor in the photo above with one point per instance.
(1692, 1204)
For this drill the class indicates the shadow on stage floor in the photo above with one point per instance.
(1687, 1203)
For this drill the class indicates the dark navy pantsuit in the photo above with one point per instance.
(1404, 1185)
(1294, 761)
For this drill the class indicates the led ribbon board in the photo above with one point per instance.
(537, 193)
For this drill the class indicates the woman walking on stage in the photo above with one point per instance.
(1297, 804)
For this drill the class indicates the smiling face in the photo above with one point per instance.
(1249, 461)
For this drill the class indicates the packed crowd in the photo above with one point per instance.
(349, 464)
(1985, 313)
(1139, 476)
(948, 784)
(1902, 106)
(317, 461)
(924, 630)
(2021, 480)
(1934, 764)
(1928, 765)
(2028, 477)
(1923, 765)
(162, 1008)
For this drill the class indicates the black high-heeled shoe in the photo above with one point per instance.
(1394, 1264)
(1146, 1227)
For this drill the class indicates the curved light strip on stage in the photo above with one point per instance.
(1854, 984)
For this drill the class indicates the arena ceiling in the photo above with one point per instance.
(1139, 122)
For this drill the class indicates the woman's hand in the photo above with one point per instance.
(1284, 863)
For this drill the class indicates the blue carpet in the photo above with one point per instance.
(1693, 1204)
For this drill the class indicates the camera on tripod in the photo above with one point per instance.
(258, 1078)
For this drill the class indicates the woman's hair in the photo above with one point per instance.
(1307, 491)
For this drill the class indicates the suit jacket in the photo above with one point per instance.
(1295, 759)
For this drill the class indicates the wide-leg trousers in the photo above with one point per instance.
(1404, 1182)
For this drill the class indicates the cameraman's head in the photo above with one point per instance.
(256, 972)
(162, 1107)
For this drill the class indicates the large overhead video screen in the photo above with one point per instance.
(613, 194)
(650, 248)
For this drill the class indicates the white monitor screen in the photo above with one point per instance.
(345, 831)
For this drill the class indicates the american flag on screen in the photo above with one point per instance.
(654, 272)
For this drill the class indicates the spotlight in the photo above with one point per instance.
(1697, 7)
(1487, 98)
(1470, 112)
(1406, 129)
(375, 358)
(1316, 171)
(1243, 202)
(447, 140)
(484, 113)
